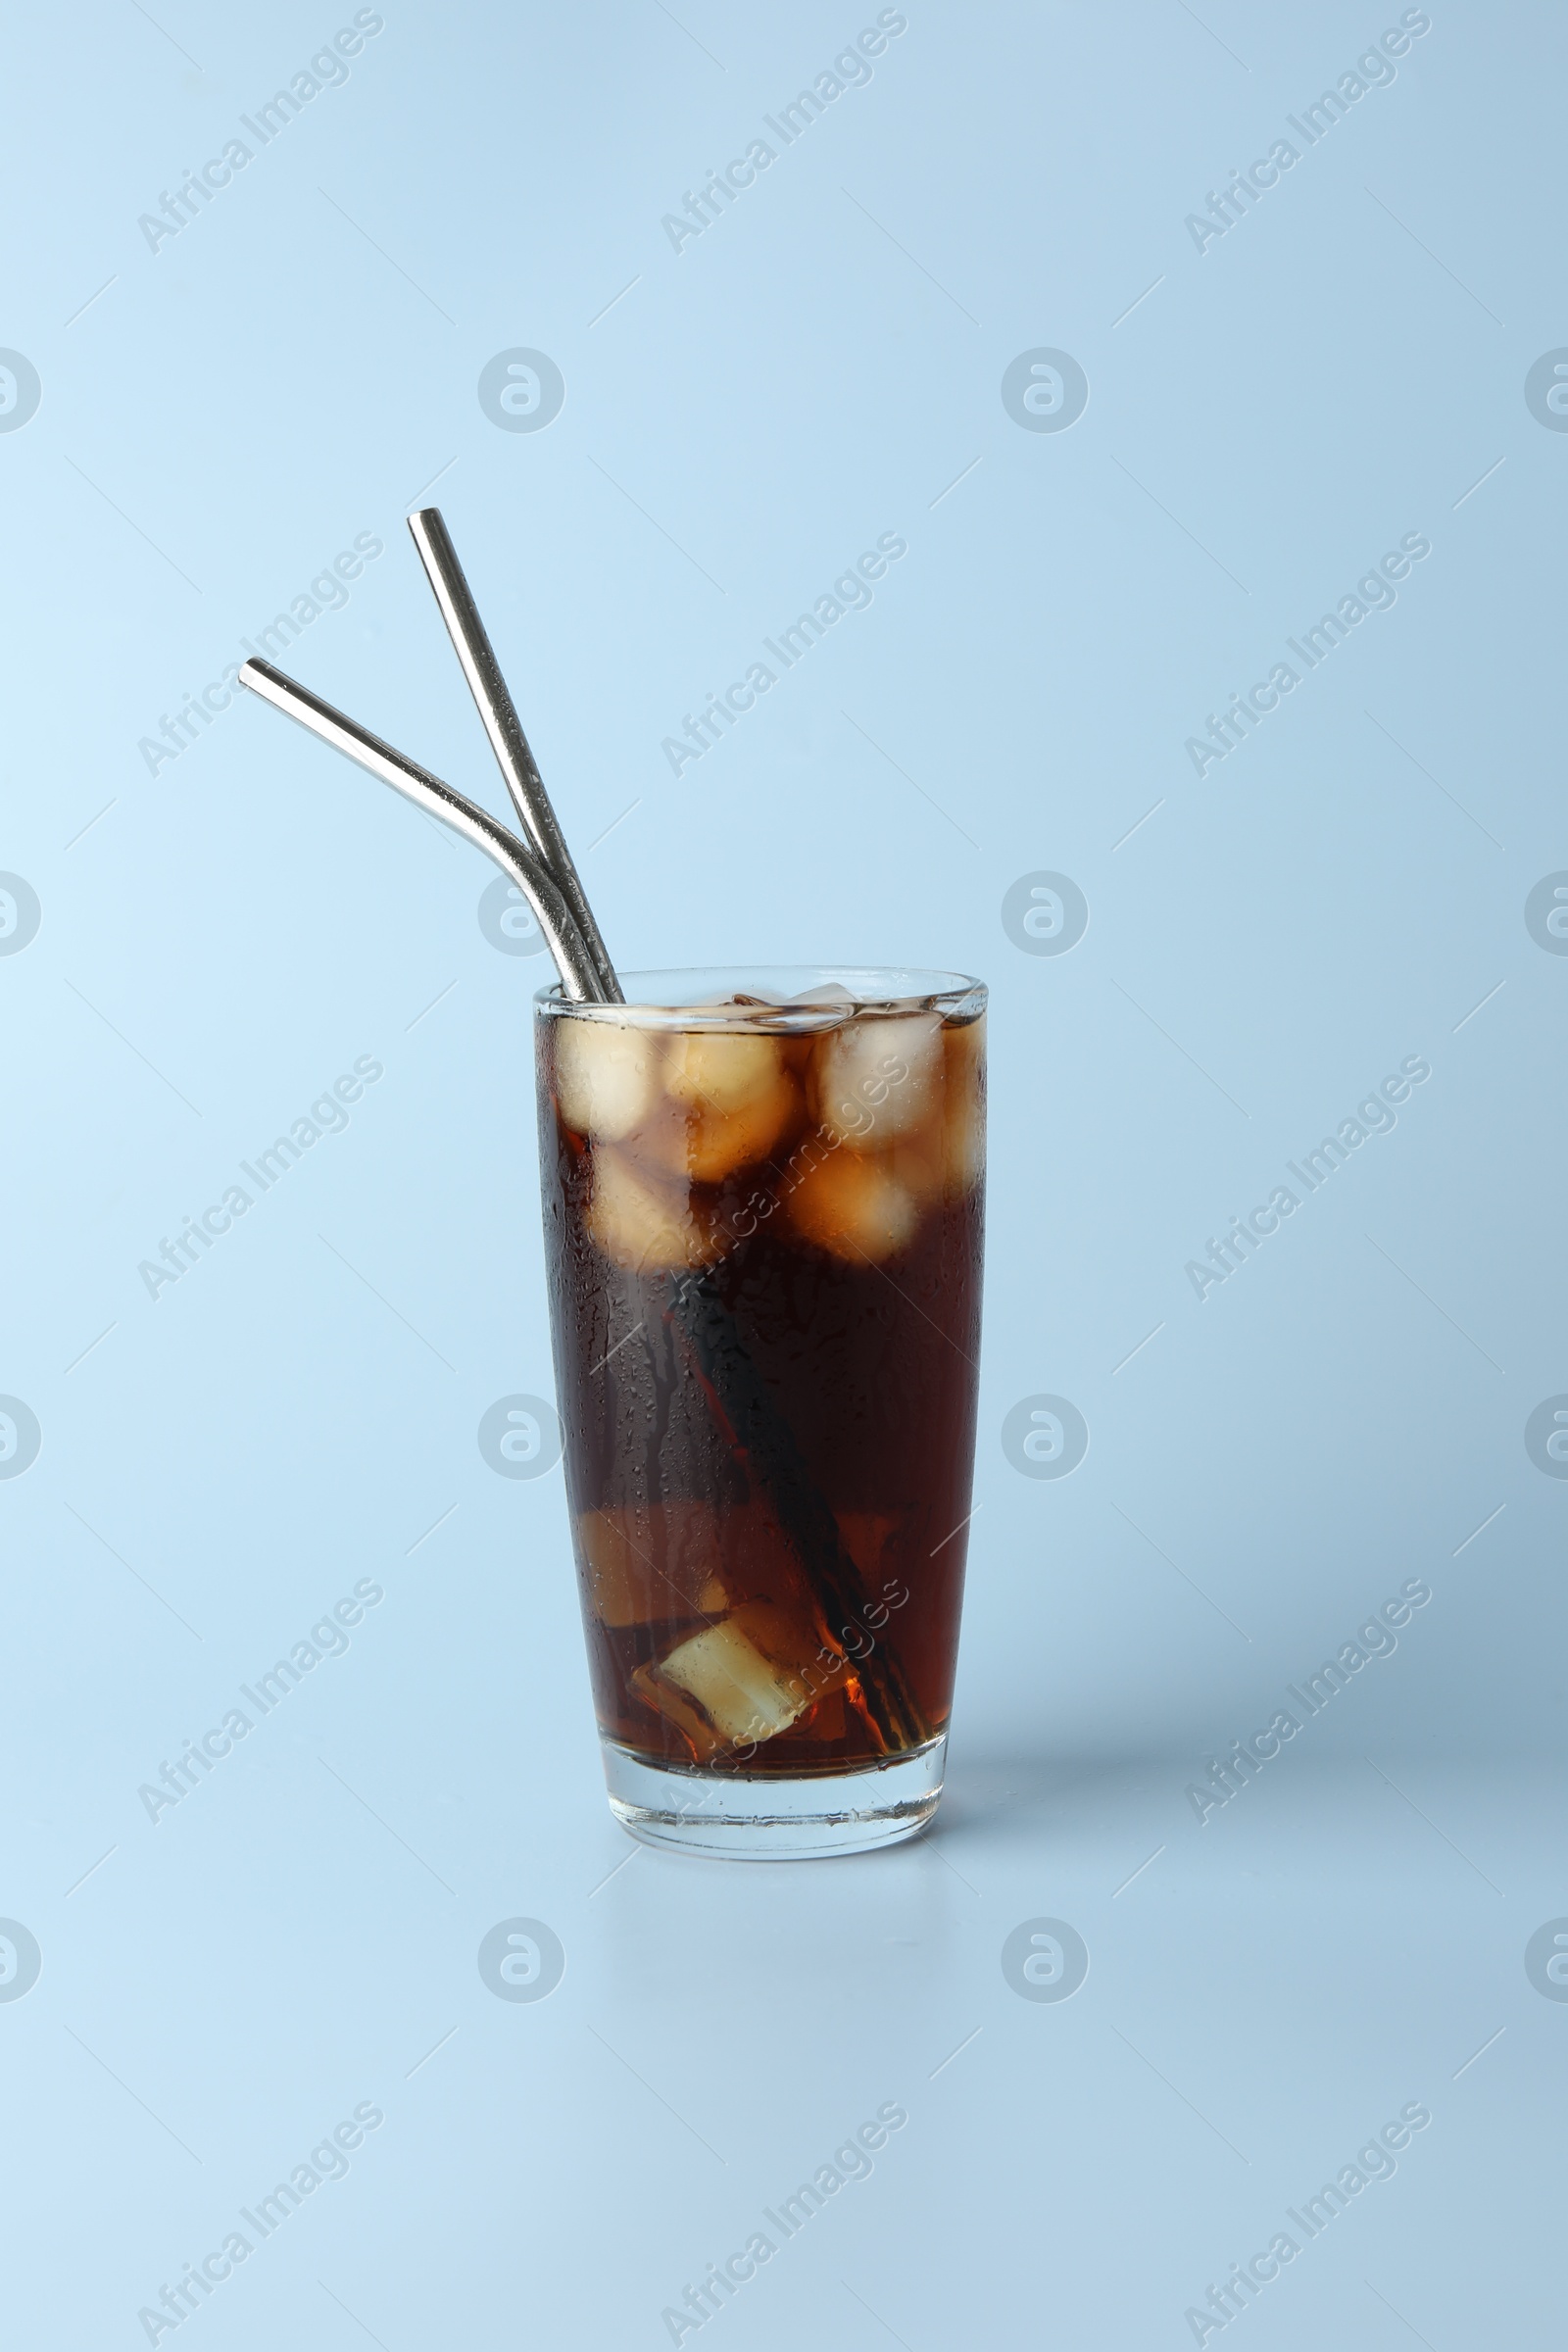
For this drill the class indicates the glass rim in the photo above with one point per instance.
(792, 998)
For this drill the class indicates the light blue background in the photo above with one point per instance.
(218, 940)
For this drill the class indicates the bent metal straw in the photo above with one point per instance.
(579, 976)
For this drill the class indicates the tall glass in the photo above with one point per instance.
(763, 1198)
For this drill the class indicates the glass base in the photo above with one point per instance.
(751, 1819)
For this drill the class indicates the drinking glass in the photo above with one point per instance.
(763, 1196)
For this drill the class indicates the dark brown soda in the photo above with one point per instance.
(766, 1325)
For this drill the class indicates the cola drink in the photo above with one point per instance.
(764, 1208)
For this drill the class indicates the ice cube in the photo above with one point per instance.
(855, 1208)
(720, 1069)
(963, 1110)
(866, 1537)
(639, 1226)
(877, 1078)
(702, 1144)
(917, 1162)
(645, 1561)
(687, 1556)
(738, 1682)
(606, 1073)
(719, 1143)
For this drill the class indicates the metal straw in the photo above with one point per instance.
(579, 975)
(504, 729)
